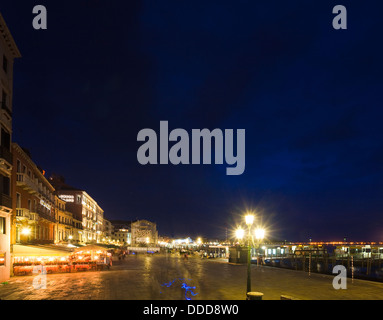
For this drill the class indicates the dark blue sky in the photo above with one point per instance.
(309, 97)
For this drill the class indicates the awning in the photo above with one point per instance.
(39, 251)
(91, 247)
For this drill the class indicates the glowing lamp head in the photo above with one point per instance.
(249, 219)
(239, 233)
(259, 233)
(25, 231)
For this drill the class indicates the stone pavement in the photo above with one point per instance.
(170, 277)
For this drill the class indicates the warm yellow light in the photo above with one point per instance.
(70, 237)
(25, 231)
(249, 219)
(147, 240)
(199, 241)
(239, 233)
(259, 233)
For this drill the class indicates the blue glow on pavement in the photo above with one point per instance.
(187, 289)
(183, 286)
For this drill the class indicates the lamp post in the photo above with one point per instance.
(249, 219)
(259, 235)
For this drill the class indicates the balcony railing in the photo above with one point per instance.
(45, 215)
(24, 181)
(25, 213)
(22, 213)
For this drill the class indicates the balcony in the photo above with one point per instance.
(5, 160)
(45, 215)
(22, 213)
(26, 215)
(25, 182)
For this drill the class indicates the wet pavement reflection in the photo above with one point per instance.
(171, 277)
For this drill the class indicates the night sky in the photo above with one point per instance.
(309, 97)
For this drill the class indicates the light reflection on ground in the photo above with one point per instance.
(188, 289)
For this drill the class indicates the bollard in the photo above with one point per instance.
(254, 296)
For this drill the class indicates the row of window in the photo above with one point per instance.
(65, 220)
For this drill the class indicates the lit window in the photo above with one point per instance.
(2, 225)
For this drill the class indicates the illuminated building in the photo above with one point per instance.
(144, 231)
(122, 236)
(8, 52)
(108, 230)
(68, 229)
(33, 217)
(83, 207)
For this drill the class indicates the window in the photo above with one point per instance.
(2, 258)
(18, 166)
(2, 225)
(6, 186)
(5, 139)
(18, 200)
(4, 100)
(5, 64)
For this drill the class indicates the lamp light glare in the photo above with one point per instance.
(249, 219)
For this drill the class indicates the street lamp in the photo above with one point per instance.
(239, 233)
(259, 235)
(249, 219)
(25, 231)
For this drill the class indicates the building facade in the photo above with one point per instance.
(64, 222)
(33, 217)
(144, 231)
(8, 52)
(108, 230)
(85, 209)
(122, 237)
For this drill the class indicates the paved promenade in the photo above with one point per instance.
(170, 277)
